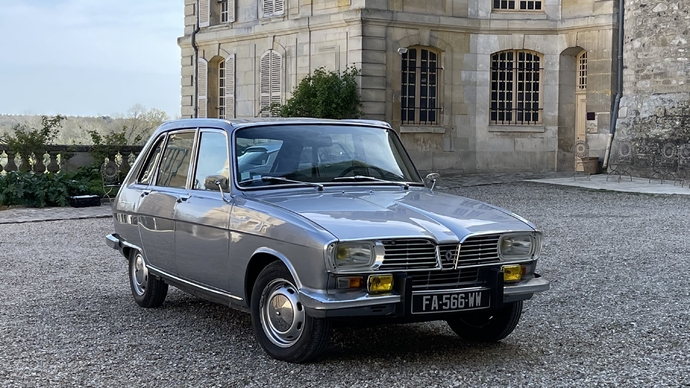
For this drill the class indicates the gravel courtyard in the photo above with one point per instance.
(616, 315)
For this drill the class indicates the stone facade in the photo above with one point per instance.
(464, 37)
(653, 128)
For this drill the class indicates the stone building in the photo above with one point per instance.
(471, 85)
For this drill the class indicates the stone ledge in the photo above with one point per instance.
(422, 129)
(517, 128)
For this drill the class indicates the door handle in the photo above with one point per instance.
(182, 198)
(145, 193)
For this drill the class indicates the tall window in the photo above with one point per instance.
(224, 11)
(270, 81)
(516, 88)
(582, 72)
(213, 12)
(272, 7)
(419, 89)
(221, 89)
(518, 5)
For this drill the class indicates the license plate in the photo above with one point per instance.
(450, 301)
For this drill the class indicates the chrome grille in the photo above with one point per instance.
(409, 254)
(474, 250)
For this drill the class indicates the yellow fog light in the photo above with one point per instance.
(512, 273)
(380, 283)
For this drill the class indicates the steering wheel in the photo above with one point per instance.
(348, 170)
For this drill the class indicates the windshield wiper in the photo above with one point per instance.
(259, 178)
(405, 185)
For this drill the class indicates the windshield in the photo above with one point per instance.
(321, 154)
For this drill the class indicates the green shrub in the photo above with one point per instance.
(41, 190)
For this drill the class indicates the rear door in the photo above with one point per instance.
(156, 207)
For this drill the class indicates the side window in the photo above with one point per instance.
(174, 165)
(146, 175)
(212, 158)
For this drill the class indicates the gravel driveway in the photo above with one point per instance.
(617, 313)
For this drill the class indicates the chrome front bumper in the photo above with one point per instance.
(318, 302)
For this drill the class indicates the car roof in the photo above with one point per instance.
(233, 124)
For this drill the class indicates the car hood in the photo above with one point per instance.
(373, 214)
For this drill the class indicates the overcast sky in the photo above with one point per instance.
(89, 57)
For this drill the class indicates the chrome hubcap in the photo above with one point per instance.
(139, 275)
(282, 314)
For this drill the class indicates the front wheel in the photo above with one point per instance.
(488, 326)
(148, 290)
(281, 324)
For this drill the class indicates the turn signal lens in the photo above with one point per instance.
(512, 273)
(349, 282)
(380, 283)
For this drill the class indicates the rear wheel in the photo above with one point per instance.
(281, 324)
(148, 290)
(489, 325)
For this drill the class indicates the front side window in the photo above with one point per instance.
(516, 88)
(518, 5)
(212, 159)
(174, 165)
(419, 93)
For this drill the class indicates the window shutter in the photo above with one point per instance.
(202, 88)
(275, 77)
(231, 11)
(270, 81)
(230, 87)
(267, 7)
(204, 13)
(278, 7)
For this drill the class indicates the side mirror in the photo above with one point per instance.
(431, 179)
(216, 183)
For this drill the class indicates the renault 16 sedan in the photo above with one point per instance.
(307, 222)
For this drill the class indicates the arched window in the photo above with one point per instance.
(419, 104)
(516, 88)
(270, 81)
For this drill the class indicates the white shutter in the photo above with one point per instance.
(231, 11)
(204, 13)
(265, 84)
(230, 87)
(278, 7)
(275, 77)
(202, 88)
(270, 80)
(267, 7)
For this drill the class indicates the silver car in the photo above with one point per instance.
(335, 225)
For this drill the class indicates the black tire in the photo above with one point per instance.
(488, 326)
(148, 290)
(291, 335)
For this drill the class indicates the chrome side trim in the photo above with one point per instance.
(530, 287)
(166, 275)
(316, 300)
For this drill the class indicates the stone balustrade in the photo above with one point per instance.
(62, 158)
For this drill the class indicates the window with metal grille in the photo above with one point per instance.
(221, 90)
(518, 5)
(516, 88)
(270, 82)
(272, 7)
(419, 93)
(582, 71)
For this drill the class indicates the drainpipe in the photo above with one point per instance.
(195, 99)
(619, 87)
